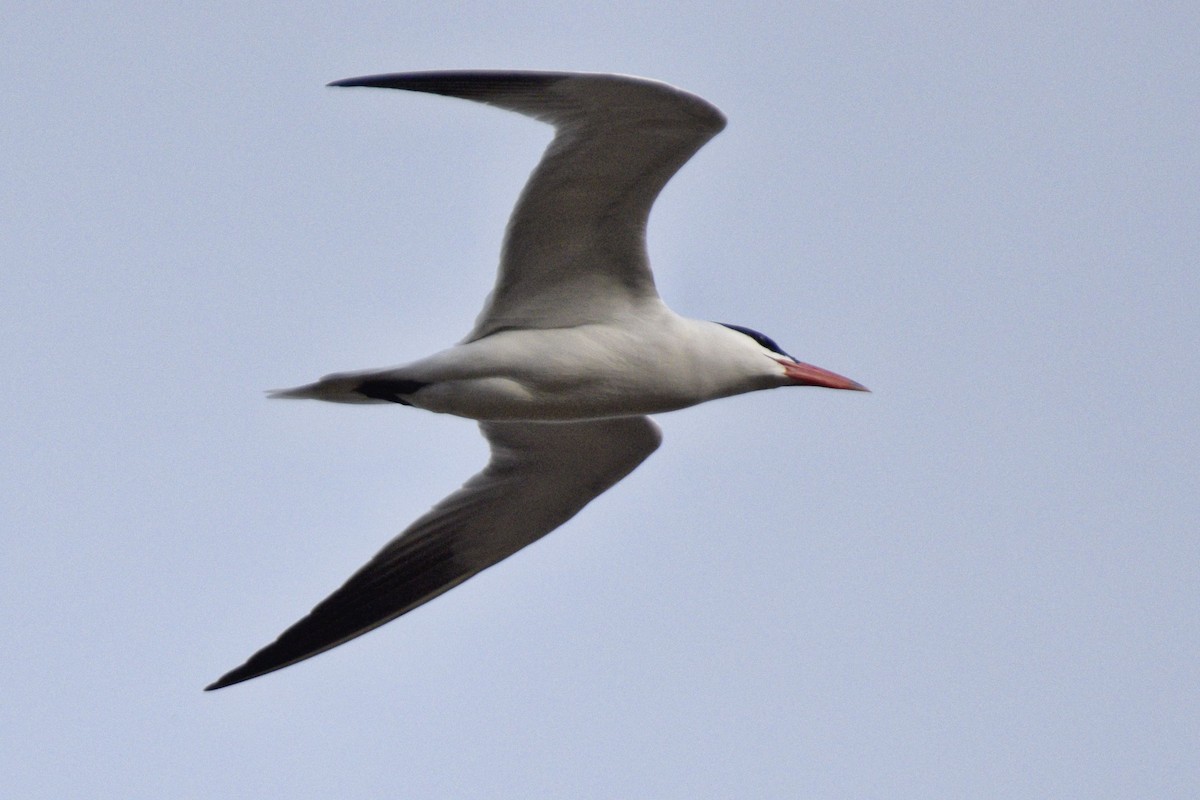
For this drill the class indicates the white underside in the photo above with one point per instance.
(645, 364)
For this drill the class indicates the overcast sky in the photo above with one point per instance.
(981, 580)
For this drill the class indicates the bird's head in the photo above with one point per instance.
(797, 373)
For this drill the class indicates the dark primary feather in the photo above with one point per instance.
(479, 85)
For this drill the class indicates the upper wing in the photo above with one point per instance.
(539, 476)
(575, 249)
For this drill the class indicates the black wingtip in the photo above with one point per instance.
(228, 679)
(383, 81)
(393, 80)
(467, 84)
(251, 669)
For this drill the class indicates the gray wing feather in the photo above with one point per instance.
(539, 476)
(575, 248)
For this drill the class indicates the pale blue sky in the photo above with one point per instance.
(982, 580)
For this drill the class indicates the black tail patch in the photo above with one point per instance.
(389, 390)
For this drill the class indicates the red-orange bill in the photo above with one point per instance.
(808, 375)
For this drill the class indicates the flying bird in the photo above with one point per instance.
(572, 351)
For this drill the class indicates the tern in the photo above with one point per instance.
(572, 351)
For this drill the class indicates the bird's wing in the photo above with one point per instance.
(539, 476)
(575, 249)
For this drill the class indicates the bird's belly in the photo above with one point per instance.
(565, 397)
(586, 372)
